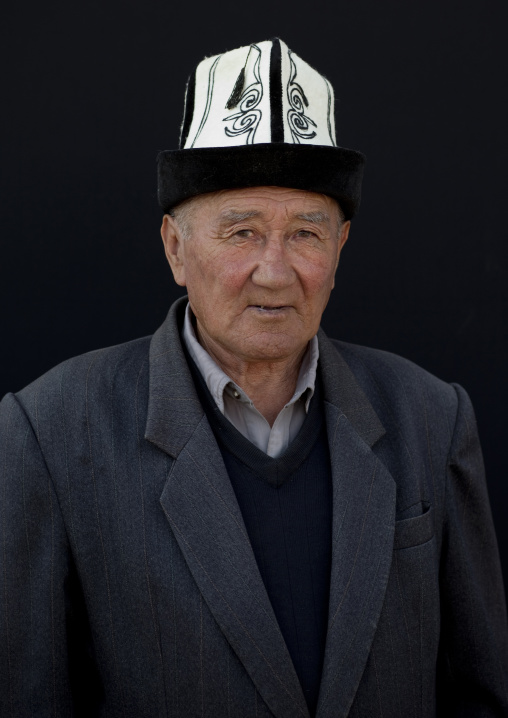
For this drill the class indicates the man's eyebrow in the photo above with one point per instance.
(231, 216)
(314, 217)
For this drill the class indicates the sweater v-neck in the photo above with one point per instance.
(274, 470)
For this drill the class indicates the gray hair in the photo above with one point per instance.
(182, 214)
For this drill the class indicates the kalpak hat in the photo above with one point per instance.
(259, 116)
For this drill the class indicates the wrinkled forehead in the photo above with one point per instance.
(265, 202)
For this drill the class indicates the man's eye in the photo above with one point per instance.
(244, 233)
(305, 233)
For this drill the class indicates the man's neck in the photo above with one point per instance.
(269, 384)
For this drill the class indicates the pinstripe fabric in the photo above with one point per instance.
(128, 586)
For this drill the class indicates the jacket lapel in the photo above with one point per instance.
(362, 533)
(201, 507)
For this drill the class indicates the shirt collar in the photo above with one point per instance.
(217, 380)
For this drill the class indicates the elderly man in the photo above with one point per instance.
(239, 516)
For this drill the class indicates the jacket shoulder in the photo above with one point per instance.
(390, 380)
(88, 378)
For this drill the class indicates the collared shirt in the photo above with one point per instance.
(239, 409)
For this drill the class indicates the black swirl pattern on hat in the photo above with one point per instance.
(247, 120)
(299, 123)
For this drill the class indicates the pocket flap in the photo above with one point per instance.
(414, 531)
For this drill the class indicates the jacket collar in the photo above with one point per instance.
(174, 409)
(343, 392)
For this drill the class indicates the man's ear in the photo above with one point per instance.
(174, 248)
(343, 235)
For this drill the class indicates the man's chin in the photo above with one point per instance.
(272, 347)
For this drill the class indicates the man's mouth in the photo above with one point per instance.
(269, 309)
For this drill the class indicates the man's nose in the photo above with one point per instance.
(274, 269)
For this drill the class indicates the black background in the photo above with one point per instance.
(91, 92)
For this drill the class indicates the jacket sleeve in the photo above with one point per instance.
(473, 661)
(34, 577)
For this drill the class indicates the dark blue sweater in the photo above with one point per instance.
(286, 503)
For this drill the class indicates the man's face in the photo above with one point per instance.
(259, 267)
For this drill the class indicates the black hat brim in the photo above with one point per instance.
(334, 171)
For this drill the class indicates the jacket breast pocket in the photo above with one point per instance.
(416, 530)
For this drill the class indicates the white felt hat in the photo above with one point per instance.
(259, 115)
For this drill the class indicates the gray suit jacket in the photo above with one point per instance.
(129, 587)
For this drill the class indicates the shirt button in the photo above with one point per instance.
(236, 394)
